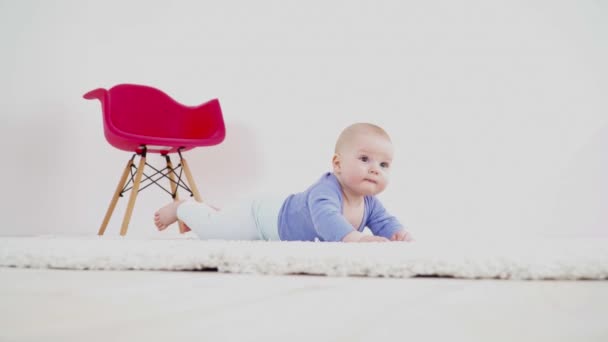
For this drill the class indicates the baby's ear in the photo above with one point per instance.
(335, 162)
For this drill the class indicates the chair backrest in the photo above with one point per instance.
(148, 115)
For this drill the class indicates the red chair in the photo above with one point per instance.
(141, 119)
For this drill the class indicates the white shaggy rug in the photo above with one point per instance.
(524, 259)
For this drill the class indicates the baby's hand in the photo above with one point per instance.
(356, 236)
(372, 238)
(402, 235)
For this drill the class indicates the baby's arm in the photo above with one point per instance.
(329, 223)
(326, 213)
(381, 223)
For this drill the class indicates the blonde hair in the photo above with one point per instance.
(357, 129)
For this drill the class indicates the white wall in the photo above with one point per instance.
(498, 110)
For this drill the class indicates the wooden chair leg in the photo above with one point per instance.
(182, 227)
(133, 196)
(115, 198)
(191, 183)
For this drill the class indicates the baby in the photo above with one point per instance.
(335, 208)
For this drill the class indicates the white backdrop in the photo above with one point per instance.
(498, 110)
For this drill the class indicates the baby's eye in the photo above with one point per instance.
(364, 159)
(384, 165)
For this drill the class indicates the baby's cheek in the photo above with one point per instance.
(383, 184)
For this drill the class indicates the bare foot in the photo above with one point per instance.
(167, 215)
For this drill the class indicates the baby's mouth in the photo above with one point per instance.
(370, 180)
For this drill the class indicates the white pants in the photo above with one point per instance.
(254, 219)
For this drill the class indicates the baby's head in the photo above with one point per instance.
(362, 159)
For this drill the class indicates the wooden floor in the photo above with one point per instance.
(62, 305)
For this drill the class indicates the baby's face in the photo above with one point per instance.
(365, 164)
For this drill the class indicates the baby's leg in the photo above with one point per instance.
(232, 223)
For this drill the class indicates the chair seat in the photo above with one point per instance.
(137, 115)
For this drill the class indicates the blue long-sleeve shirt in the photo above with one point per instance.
(317, 214)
